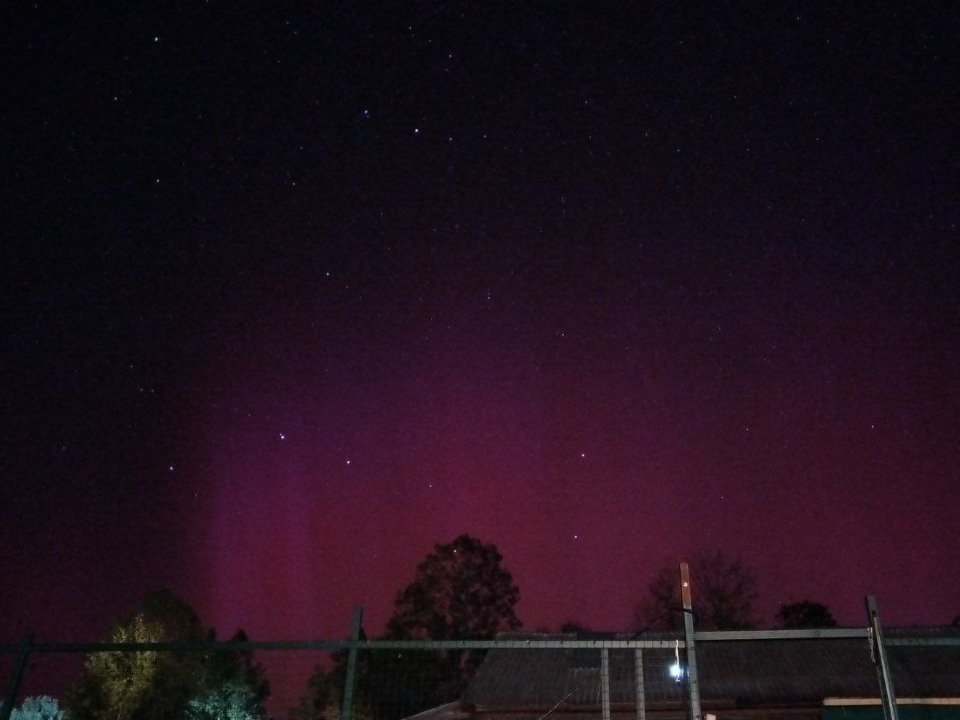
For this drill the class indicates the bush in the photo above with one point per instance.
(37, 708)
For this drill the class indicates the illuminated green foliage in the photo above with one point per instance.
(231, 701)
(38, 708)
(126, 679)
(149, 685)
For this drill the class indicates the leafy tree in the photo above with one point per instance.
(323, 698)
(805, 614)
(388, 685)
(42, 707)
(315, 698)
(117, 685)
(149, 685)
(723, 592)
(460, 591)
(573, 626)
(228, 701)
(239, 671)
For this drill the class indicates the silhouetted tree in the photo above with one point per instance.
(319, 694)
(573, 626)
(460, 591)
(805, 614)
(323, 699)
(723, 591)
(237, 672)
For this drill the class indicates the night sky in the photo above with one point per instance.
(291, 293)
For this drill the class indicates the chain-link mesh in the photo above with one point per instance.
(521, 677)
(925, 672)
(547, 679)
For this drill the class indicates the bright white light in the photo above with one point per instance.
(676, 670)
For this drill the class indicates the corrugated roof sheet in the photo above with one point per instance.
(744, 672)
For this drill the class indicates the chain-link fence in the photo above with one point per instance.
(540, 675)
(818, 674)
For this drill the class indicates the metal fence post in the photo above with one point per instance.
(605, 683)
(21, 663)
(351, 680)
(641, 690)
(887, 695)
(693, 681)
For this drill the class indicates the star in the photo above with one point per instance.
(282, 436)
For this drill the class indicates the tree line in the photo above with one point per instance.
(460, 590)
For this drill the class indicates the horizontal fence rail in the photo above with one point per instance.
(230, 645)
(812, 634)
(808, 674)
(923, 641)
(252, 645)
(627, 678)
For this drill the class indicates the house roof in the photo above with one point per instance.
(740, 672)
